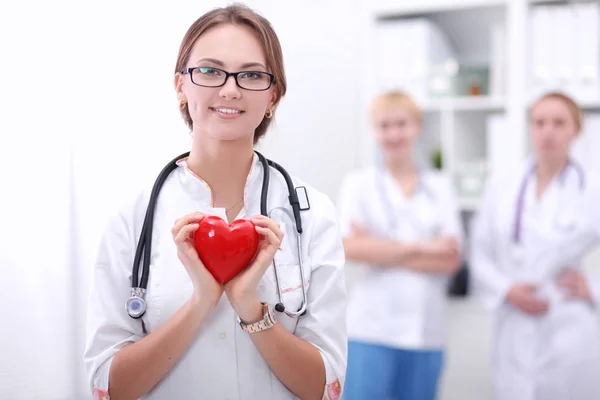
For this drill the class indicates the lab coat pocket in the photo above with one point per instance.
(291, 291)
(566, 224)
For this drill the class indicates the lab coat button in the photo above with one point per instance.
(222, 335)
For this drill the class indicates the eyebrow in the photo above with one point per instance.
(222, 64)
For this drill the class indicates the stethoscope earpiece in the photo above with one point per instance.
(279, 307)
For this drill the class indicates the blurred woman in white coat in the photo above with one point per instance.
(401, 224)
(201, 339)
(528, 237)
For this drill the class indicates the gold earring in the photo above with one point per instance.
(269, 114)
(182, 105)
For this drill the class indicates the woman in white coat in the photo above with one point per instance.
(528, 237)
(401, 224)
(200, 339)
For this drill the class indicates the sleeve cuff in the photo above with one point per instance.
(100, 394)
(594, 288)
(100, 381)
(494, 300)
(333, 384)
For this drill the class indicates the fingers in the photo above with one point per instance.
(272, 238)
(530, 287)
(571, 281)
(450, 241)
(186, 220)
(573, 285)
(447, 245)
(567, 283)
(567, 274)
(186, 232)
(535, 306)
(536, 309)
(263, 222)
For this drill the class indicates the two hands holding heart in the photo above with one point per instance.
(227, 257)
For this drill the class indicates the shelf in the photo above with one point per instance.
(554, 2)
(391, 9)
(464, 104)
(589, 105)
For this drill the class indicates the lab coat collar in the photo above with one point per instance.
(571, 170)
(399, 197)
(571, 177)
(199, 190)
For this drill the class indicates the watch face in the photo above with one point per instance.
(136, 306)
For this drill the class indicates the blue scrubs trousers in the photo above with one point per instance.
(377, 372)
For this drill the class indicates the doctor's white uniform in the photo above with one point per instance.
(221, 362)
(555, 356)
(396, 307)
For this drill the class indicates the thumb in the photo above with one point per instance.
(531, 287)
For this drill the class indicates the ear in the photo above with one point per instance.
(419, 127)
(271, 104)
(178, 83)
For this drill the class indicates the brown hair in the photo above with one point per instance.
(574, 109)
(237, 14)
(396, 99)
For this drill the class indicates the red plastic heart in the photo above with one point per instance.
(225, 249)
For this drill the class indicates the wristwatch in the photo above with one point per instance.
(266, 323)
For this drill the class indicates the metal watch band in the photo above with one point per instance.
(267, 322)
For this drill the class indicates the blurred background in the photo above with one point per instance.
(88, 115)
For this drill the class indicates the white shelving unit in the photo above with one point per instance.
(459, 125)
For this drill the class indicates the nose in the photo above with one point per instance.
(548, 132)
(230, 89)
(395, 133)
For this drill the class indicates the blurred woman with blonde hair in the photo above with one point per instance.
(401, 224)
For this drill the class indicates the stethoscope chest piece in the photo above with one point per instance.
(136, 304)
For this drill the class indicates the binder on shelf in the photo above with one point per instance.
(405, 52)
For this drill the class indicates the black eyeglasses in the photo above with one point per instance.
(215, 77)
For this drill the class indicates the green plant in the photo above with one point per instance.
(436, 158)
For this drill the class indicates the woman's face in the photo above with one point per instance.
(396, 130)
(553, 129)
(227, 112)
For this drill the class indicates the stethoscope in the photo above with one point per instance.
(518, 251)
(136, 304)
(518, 218)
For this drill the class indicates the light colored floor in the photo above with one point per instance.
(467, 374)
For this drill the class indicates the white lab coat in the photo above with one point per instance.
(394, 306)
(555, 356)
(222, 362)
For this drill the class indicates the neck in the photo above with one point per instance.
(405, 173)
(224, 166)
(547, 169)
(401, 168)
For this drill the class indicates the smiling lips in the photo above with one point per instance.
(227, 112)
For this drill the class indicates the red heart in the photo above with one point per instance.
(225, 249)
